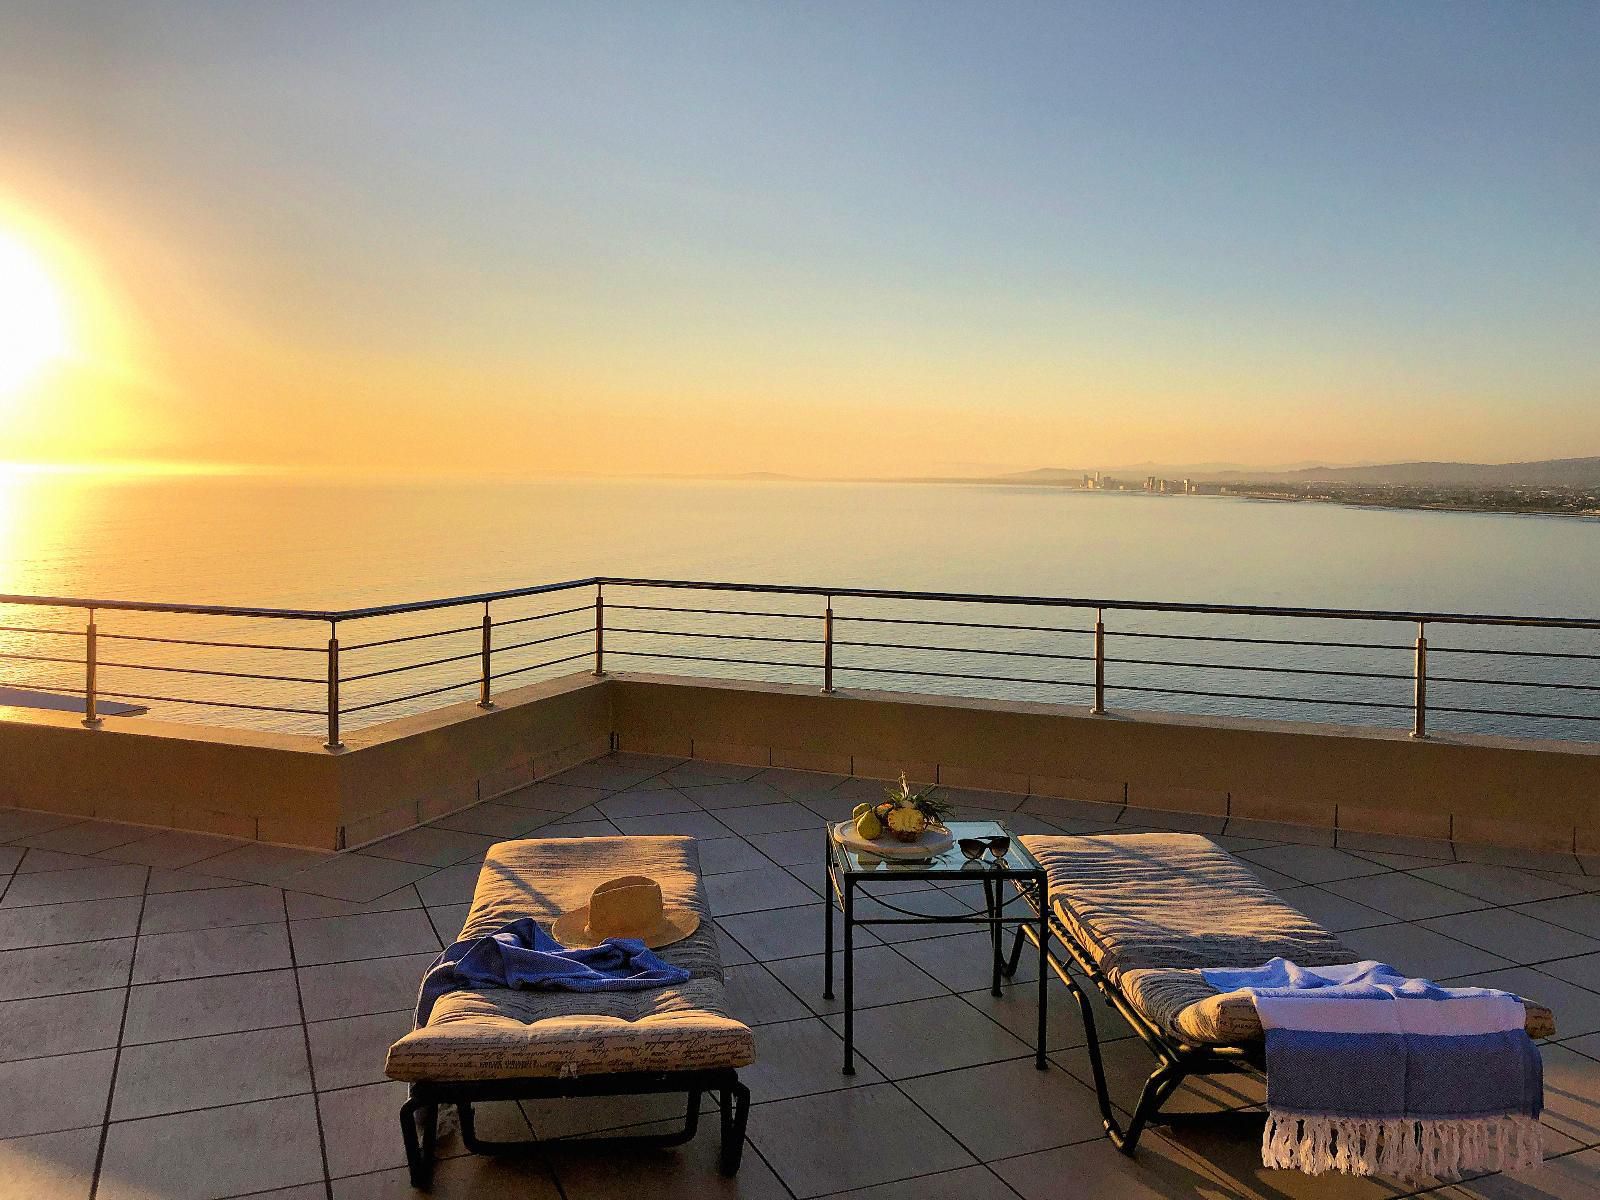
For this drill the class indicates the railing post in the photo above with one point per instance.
(333, 742)
(91, 717)
(827, 646)
(1419, 724)
(1099, 662)
(485, 681)
(599, 630)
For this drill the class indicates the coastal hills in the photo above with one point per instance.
(1549, 472)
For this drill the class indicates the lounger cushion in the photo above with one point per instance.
(506, 1033)
(1155, 908)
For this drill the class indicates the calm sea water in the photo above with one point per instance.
(326, 545)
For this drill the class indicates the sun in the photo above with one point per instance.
(33, 315)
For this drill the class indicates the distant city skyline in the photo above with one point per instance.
(842, 240)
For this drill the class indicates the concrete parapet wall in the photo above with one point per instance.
(1537, 794)
(290, 789)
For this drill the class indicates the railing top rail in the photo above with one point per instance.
(204, 610)
(391, 610)
(293, 614)
(1074, 602)
(1243, 610)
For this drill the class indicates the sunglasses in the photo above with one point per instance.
(974, 847)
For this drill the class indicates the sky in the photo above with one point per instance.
(823, 238)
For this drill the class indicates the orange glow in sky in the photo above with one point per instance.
(519, 240)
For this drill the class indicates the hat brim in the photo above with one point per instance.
(572, 928)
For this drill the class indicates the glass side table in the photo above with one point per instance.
(1015, 889)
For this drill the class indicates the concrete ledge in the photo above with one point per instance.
(289, 789)
(1506, 791)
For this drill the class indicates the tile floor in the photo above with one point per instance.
(185, 1017)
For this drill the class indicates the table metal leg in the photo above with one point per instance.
(827, 918)
(992, 897)
(849, 977)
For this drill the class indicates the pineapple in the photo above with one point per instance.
(907, 822)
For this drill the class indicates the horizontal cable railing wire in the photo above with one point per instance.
(28, 629)
(754, 662)
(1164, 662)
(310, 712)
(967, 650)
(126, 666)
(846, 667)
(1131, 687)
(46, 658)
(449, 687)
(416, 666)
(1511, 712)
(854, 620)
(170, 641)
(545, 616)
(540, 665)
(410, 637)
(715, 612)
(1252, 641)
(555, 637)
(1514, 653)
(732, 637)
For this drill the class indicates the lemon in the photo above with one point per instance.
(868, 826)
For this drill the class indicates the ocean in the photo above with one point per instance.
(291, 542)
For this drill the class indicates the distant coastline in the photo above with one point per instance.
(1550, 487)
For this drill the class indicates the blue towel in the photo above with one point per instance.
(1369, 1071)
(521, 955)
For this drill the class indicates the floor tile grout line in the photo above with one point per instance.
(434, 925)
(305, 1037)
(1514, 906)
(116, 1060)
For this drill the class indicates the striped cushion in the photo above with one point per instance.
(507, 1033)
(1154, 908)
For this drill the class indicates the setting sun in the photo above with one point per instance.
(33, 320)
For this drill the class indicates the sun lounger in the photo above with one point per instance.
(1138, 916)
(510, 1044)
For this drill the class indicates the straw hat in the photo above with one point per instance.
(630, 907)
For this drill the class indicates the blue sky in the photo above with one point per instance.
(1002, 234)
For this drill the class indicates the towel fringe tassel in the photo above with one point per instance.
(1401, 1148)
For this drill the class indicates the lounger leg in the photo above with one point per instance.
(1163, 1081)
(419, 1149)
(691, 1117)
(1096, 1066)
(735, 1115)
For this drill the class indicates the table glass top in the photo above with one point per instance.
(1016, 857)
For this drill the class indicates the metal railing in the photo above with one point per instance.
(951, 641)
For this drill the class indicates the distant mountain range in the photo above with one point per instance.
(1548, 472)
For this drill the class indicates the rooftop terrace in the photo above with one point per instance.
(187, 1016)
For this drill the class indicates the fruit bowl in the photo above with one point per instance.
(904, 814)
(930, 843)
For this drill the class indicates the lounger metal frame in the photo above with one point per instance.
(1175, 1060)
(419, 1117)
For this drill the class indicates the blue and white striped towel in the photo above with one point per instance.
(1370, 1072)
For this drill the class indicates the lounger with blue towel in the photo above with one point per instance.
(1143, 919)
